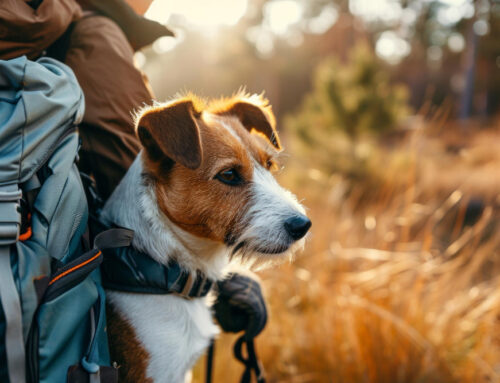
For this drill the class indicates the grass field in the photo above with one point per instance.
(399, 281)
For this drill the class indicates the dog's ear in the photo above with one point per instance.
(171, 130)
(256, 117)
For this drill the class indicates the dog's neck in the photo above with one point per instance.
(133, 205)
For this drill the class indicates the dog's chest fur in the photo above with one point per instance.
(171, 331)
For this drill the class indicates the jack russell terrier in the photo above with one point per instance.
(200, 193)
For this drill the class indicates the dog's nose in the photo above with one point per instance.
(297, 226)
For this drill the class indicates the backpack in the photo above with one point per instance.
(52, 311)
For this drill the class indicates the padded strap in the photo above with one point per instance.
(127, 269)
(11, 306)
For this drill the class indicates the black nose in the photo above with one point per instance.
(297, 226)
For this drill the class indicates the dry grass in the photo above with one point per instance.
(399, 283)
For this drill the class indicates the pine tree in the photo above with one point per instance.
(348, 100)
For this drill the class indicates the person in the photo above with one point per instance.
(97, 40)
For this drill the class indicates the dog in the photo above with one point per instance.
(200, 192)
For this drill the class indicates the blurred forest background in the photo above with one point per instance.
(390, 115)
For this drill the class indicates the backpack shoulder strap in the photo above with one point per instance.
(10, 224)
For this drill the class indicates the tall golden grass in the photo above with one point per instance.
(400, 280)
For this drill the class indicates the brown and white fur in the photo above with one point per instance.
(177, 198)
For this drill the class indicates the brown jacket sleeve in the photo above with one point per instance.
(103, 62)
(28, 31)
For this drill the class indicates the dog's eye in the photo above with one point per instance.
(229, 177)
(271, 165)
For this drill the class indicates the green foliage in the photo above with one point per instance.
(354, 97)
(348, 103)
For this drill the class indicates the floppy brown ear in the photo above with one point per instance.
(171, 131)
(256, 117)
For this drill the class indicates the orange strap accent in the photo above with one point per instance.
(26, 235)
(74, 268)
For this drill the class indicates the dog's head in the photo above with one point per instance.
(211, 167)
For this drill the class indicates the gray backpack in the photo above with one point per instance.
(52, 313)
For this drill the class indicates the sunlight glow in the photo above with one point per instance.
(374, 10)
(139, 59)
(199, 13)
(165, 44)
(392, 48)
(450, 14)
(481, 27)
(263, 40)
(324, 21)
(280, 15)
(456, 42)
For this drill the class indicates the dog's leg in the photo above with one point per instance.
(125, 349)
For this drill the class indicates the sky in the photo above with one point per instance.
(285, 19)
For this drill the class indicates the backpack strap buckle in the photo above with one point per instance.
(10, 213)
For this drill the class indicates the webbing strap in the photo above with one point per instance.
(113, 238)
(11, 306)
(252, 363)
(210, 362)
(95, 376)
